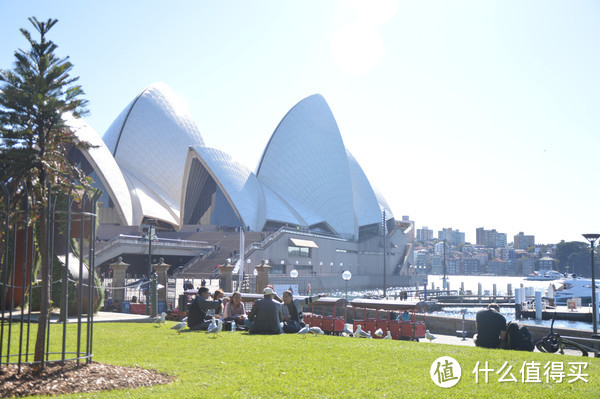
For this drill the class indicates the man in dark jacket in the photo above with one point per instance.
(197, 318)
(265, 316)
(491, 327)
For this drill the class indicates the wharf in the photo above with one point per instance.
(561, 313)
(471, 300)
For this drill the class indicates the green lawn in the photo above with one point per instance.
(241, 365)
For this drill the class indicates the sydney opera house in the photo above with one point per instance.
(308, 199)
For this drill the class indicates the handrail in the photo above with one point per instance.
(140, 241)
(195, 260)
(274, 236)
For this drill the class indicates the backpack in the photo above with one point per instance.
(518, 337)
(526, 340)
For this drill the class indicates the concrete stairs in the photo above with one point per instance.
(228, 244)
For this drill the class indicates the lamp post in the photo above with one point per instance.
(150, 227)
(384, 226)
(294, 274)
(445, 277)
(347, 276)
(592, 239)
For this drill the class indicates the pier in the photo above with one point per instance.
(440, 300)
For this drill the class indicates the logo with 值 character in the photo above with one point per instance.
(445, 371)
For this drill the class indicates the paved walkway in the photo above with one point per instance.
(114, 317)
(99, 317)
(449, 340)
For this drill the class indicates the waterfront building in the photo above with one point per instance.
(497, 267)
(547, 263)
(154, 168)
(527, 265)
(510, 268)
(471, 266)
(453, 266)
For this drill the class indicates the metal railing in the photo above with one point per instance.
(122, 239)
(69, 232)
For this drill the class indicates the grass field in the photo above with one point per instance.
(288, 366)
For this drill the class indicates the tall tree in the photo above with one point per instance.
(568, 252)
(35, 97)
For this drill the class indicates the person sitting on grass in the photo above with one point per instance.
(197, 310)
(491, 327)
(265, 316)
(219, 294)
(235, 311)
(292, 311)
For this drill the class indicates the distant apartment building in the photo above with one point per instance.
(547, 263)
(422, 258)
(471, 266)
(497, 267)
(510, 268)
(504, 253)
(523, 241)
(424, 234)
(467, 249)
(438, 248)
(480, 236)
(527, 266)
(453, 266)
(437, 264)
(490, 238)
(453, 237)
(482, 258)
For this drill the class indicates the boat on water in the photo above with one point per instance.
(576, 287)
(546, 276)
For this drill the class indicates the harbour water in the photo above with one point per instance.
(487, 284)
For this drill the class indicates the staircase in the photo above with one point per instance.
(225, 245)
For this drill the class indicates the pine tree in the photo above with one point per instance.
(35, 97)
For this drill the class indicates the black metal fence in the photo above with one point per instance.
(70, 222)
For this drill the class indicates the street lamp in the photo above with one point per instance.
(347, 276)
(293, 275)
(150, 226)
(592, 239)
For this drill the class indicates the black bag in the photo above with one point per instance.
(526, 341)
(291, 327)
(518, 337)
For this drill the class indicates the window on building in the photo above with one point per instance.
(299, 252)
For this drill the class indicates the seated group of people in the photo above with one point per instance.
(269, 315)
(204, 307)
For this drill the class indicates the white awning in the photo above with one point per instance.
(303, 243)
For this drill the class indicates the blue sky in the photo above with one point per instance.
(464, 114)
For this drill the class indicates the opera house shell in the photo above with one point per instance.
(305, 178)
